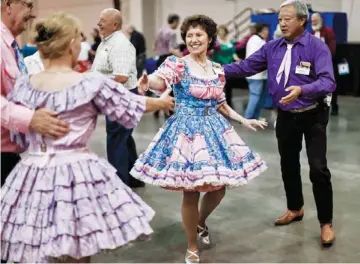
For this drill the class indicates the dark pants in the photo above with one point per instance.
(334, 102)
(161, 59)
(8, 163)
(140, 64)
(229, 94)
(334, 99)
(290, 129)
(121, 150)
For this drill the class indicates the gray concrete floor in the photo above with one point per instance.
(242, 226)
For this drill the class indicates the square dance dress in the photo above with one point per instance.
(61, 199)
(197, 149)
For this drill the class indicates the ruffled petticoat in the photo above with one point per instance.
(197, 153)
(74, 206)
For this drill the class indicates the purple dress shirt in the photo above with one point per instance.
(307, 48)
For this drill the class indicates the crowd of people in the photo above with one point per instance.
(61, 202)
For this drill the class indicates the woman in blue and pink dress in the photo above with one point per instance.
(197, 150)
(62, 202)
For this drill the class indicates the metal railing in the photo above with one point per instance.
(239, 24)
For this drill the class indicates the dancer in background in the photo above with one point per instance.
(166, 43)
(327, 35)
(257, 82)
(224, 53)
(197, 150)
(116, 58)
(84, 63)
(138, 40)
(97, 41)
(62, 202)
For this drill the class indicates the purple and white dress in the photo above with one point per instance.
(61, 199)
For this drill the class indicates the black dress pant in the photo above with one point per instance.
(228, 93)
(290, 129)
(121, 150)
(334, 99)
(8, 163)
(334, 102)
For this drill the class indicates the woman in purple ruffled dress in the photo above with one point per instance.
(62, 202)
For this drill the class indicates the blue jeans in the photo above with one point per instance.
(121, 149)
(257, 98)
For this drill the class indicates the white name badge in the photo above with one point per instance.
(343, 68)
(302, 70)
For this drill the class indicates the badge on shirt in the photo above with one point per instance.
(344, 68)
(303, 68)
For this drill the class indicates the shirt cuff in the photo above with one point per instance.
(120, 74)
(306, 90)
(21, 121)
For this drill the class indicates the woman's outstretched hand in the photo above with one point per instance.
(143, 84)
(253, 124)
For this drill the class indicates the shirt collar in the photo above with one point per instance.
(259, 36)
(303, 39)
(110, 36)
(6, 35)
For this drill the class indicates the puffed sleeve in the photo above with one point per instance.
(119, 104)
(171, 71)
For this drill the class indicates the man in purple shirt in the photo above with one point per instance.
(300, 76)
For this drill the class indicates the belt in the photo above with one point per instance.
(196, 111)
(44, 149)
(302, 110)
(44, 154)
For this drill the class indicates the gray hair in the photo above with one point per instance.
(301, 8)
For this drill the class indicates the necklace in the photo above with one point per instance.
(204, 67)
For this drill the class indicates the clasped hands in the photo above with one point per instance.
(168, 101)
(143, 84)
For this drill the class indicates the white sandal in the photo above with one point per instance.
(192, 257)
(204, 235)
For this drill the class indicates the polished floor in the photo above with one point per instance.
(242, 227)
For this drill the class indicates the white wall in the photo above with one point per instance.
(352, 8)
(132, 13)
(88, 11)
(222, 11)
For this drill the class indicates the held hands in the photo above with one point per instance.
(45, 122)
(253, 123)
(167, 102)
(295, 92)
(143, 84)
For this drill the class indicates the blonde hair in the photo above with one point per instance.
(54, 34)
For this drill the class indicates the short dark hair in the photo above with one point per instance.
(205, 22)
(173, 18)
(260, 27)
